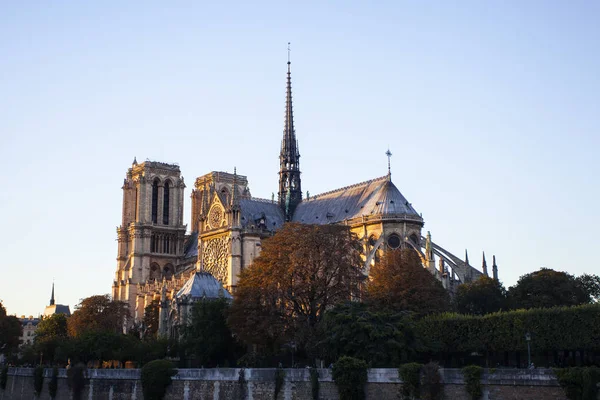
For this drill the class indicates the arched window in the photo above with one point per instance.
(155, 201)
(168, 271)
(166, 203)
(154, 271)
(414, 239)
(393, 241)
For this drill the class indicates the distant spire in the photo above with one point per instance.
(52, 296)
(466, 257)
(388, 153)
(134, 161)
(494, 268)
(290, 191)
(234, 197)
(484, 266)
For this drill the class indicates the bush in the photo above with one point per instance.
(314, 383)
(3, 377)
(156, 378)
(579, 383)
(411, 380)
(279, 378)
(241, 384)
(472, 375)
(38, 379)
(350, 376)
(431, 382)
(53, 384)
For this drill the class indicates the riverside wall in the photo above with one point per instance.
(259, 384)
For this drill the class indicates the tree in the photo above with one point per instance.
(51, 336)
(10, 332)
(302, 271)
(207, 339)
(383, 338)
(547, 288)
(150, 321)
(400, 282)
(98, 313)
(591, 284)
(482, 296)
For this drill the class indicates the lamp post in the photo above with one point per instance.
(528, 340)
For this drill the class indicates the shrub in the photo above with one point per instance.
(53, 384)
(579, 383)
(3, 377)
(472, 375)
(38, 380)
(242, 384)
(431, 382)
(411, 380)
(314, 383)
(156, 378)
(350, 376)
(279, 378)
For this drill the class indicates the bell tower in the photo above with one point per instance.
(290, 190)
(152, 232)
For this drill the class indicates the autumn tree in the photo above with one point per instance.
(400, 282)
(481, 296)
(98, 314)
(51, 337)
(302, 270)
(10, 331)
(547, 288)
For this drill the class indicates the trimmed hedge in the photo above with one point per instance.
(579, 383)
(560, 328)
(350, 376)
(156, 378)
(472, 375)
(411, 380)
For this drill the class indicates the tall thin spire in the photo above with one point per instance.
(484, 266)
(52, 296)
(388, 153)
(494, 268)
(290, 191)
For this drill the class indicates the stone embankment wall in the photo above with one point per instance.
(259, 384)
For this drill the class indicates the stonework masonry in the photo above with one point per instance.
(259, 384)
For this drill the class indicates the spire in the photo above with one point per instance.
(466, 257)
(428, 247)
(52, 296)
(290, 191)
(134, 161)
(494, 268)
(484, 266)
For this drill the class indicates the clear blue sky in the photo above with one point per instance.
(490, 108)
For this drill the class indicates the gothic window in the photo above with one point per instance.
(153, 243)
(166, 204)
(168, 271)
(215, 258)
(155, 201)
(154, 271)
(393, 241)
(414, 239)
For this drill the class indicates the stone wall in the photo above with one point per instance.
(259, 384)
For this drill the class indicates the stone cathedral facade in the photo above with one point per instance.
(158, 260)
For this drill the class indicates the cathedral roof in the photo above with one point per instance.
(254, 210)
(375, 197)
(190, 248)
(203, 285)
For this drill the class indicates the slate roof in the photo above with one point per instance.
(252, 210)
(203, 285)
(375, 197)
(190, 248)
(57, 309)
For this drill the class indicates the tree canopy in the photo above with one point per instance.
(98, 314)
(301, 271)
(51, 335)
(400, 282)
(10, 331)
(549, 288)
(482, 296)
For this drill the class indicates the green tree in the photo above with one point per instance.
(98, 314)
(383, 338)
(207, 339)
(51, 337)
(10, 331)
(301, 272)
(591, 284)
(547, 288)
(482, 296)
(400, 282)
(150, 321)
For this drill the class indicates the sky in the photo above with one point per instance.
(491, 111)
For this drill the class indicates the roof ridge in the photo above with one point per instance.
(350, 186)
(260, 199)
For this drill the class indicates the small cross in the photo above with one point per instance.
(388, 153)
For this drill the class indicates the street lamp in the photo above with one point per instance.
(528, 339)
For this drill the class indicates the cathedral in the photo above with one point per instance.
(158, 260)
